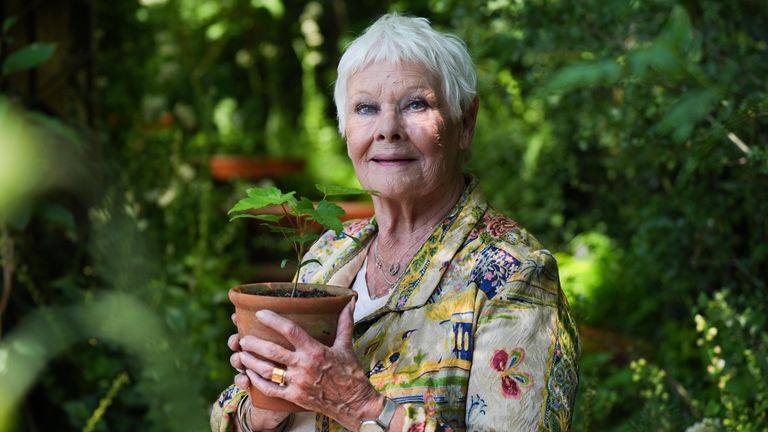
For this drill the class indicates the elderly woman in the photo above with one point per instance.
(460, 322)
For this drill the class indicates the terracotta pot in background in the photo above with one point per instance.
(226, 168)
(317, 315)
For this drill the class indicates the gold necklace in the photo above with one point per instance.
(393, 270)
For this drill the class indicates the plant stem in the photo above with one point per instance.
(296, 249)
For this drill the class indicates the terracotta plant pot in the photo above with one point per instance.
(227, 168)
(317, 315)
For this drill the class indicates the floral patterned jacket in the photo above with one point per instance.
(477, 335)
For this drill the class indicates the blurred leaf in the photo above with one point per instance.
(28, 57)
(275, 7)
(678, 32)
(689, 110)
(58, 128)
(657, 57)
(8, 23)
(61, 218)
(583, 75)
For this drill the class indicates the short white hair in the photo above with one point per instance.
(398, 39)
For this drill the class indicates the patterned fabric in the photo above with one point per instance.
(477, 335)
(224, 410)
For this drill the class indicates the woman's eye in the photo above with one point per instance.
(365, 109)
(417, 105)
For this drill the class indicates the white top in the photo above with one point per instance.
(305, 421)
(365, 304)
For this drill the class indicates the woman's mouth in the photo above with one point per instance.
(392, 161)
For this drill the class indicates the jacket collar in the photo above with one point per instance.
(425, 270)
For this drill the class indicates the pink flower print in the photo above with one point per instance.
(500, 225)
(510, 388)
(499, 360)
(512, 380)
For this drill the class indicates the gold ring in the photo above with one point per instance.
(278, 376)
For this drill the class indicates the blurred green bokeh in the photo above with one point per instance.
(629, 136)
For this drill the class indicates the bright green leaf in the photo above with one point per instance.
(303, 207)
(261, 197)
(264, 217)
(268, 217)
(283, 263)
(28, 57)
(327, 214)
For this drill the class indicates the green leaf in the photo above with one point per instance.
(279, 229)
(583, 75)
(261, 197)
(264, 217)
(268, 217)
(327, 214)
(56, 127)
(304, 238)
(330, 190)
(303, 207)
(8, 23)
(283, 263)
(271, 194)
(687, 112)
(28, 57)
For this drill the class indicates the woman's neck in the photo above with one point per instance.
(399, 219)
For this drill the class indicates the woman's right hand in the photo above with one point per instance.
(258, 419)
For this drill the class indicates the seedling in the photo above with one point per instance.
(301, 214)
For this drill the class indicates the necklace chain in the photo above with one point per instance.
(392, 273)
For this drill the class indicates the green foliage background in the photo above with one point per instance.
(630, 136)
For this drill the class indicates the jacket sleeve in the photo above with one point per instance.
(525, 362)
(224, 410)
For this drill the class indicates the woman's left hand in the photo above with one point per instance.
(320, 378)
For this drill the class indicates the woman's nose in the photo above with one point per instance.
(390, 127)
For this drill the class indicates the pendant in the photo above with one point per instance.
(394, 269)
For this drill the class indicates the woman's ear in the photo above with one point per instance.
(468, 122)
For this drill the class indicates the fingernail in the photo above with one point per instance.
(262, 315)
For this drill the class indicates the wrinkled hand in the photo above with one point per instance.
(319, 378)
(259, 419)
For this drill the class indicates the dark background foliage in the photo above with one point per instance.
(629, 136)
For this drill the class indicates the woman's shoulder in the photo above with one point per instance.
(506, 251)
(498, 230)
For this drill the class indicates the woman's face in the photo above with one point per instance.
(399, 135)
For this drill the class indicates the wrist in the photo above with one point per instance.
(372, 409)
(245, 419)
(380, 417)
